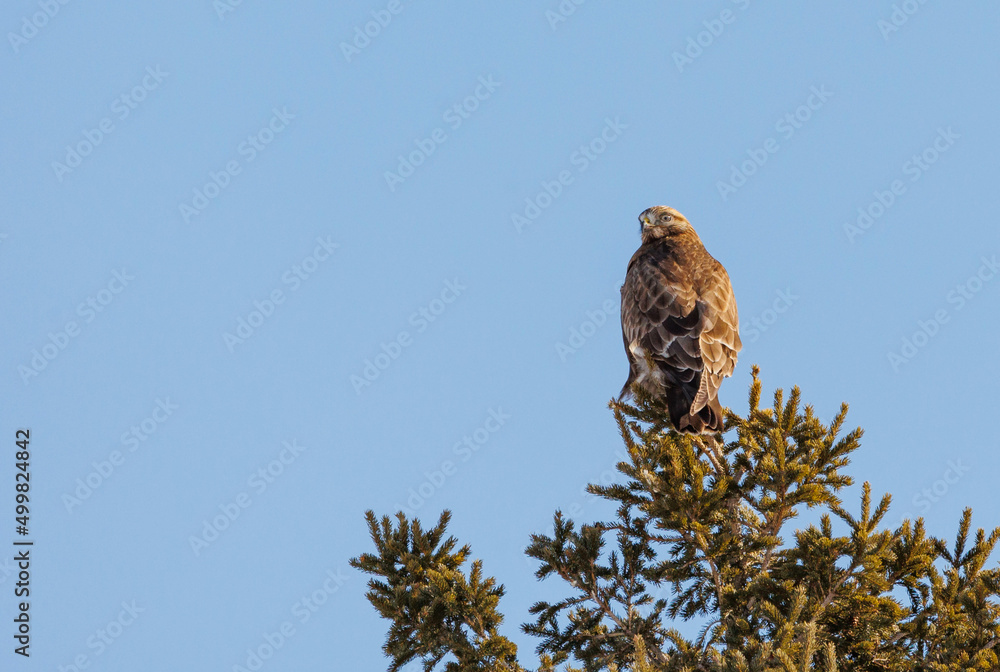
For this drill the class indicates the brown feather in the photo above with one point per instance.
(680, 324)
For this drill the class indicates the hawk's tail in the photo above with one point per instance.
(708, 420)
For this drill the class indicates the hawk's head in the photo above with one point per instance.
(660, 222)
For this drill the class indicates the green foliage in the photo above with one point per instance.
(434, 608)
(700, 533)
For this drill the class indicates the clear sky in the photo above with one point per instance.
(261, 271)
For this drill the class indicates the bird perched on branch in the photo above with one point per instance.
(679, 322)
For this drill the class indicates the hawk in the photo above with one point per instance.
(679, 322)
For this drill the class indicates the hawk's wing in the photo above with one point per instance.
(661, 318)
(720, 334)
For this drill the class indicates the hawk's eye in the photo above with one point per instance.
(667, 217)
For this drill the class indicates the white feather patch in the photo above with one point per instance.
(649, 378)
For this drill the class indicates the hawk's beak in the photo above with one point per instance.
(645, 222)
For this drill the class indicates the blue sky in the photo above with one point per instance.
(256, 282)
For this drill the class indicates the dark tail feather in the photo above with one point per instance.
(678, 401)
(708, 420)
(678, 407)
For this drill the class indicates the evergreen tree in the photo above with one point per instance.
(705, 521)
